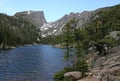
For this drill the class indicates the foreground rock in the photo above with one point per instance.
(75, 75)
(105, 68)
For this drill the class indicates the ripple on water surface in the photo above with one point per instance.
(30, 63)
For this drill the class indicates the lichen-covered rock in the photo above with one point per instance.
(105, 68)
(88, 78)
(74, 75)
(107, 75)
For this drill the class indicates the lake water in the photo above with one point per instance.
(30, 63)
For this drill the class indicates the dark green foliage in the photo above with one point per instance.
(52, 39)
(109, 41)
(69, 39)
(80, 59)
(108, 20)
(81, 66)
(15, 31)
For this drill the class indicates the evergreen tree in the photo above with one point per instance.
(69, 39)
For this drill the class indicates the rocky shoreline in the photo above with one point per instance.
(7, 47)
(101, 68)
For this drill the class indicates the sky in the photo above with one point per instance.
(53, 9)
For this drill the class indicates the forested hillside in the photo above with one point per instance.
(15, 31)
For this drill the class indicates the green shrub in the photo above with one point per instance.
(109, 41)
(81, 66)
(59, 76)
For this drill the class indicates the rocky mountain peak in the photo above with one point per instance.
(35, 17)
(55, 28)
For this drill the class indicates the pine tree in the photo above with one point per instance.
(69, 39)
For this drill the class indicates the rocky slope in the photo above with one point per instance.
(104, 68)
(55, 28)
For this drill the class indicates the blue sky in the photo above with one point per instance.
(53, 9)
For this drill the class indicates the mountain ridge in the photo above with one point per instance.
(37, 18)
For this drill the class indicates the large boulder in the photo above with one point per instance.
(74, 75)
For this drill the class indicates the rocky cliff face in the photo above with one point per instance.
(35, 17)
(104, 68)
